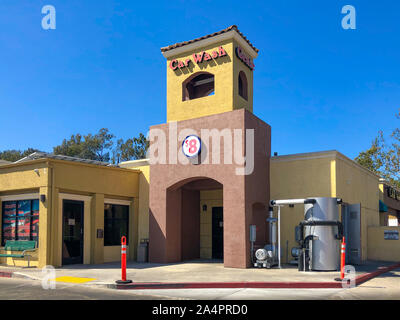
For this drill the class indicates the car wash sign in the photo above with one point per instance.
(244, 58)
(198, 58)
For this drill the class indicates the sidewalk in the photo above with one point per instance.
(195, 273)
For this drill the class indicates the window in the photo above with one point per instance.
(242, 85)
(20, 220)
(200, 84)
(116, 218)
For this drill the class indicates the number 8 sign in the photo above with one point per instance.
(191, 146)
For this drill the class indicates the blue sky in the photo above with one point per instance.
(319, 86)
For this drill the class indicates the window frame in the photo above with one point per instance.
(187, 81)
(112, 204)
(16, 218)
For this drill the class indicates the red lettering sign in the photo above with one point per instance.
(198, 58)
(246, 59)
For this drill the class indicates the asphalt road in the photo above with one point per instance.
(21, 289)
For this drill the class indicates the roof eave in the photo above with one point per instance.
(232, 34)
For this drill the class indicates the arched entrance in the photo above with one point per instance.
(198, 224)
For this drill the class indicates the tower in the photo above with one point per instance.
(209, 75)
(209, 105)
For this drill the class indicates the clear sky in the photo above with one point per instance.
(319, 86)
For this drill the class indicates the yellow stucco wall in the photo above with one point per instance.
(294, 177)
(143, 168)
(211, 198)
(143, 213)
(56, 177)
(381, 249)
(225, 69)
(322, 174)
(358, 185)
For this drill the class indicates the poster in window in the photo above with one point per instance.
(24, 220)
(35, 220)
(9, 215)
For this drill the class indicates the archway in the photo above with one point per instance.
(196, 236)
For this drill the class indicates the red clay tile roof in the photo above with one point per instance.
(233, 27)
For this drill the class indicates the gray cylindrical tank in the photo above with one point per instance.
(326, 250)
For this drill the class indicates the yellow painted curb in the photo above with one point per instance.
(72, 279)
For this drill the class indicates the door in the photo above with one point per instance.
(72, 250)
(217, 233)
(351, 219)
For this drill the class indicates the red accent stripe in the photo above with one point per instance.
(263, 285)
(4, 274)
(365, 277)
(232, 285)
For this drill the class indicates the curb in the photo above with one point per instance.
(228, 285)
(260, 285)
(222, 285)
(6, 274)
(365, 277)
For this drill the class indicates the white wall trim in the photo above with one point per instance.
(77, 197)
(24, 196)
(208, 41)
(117, 201)
(300, 157)
(86, 223)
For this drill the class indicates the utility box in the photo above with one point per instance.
(143, 251)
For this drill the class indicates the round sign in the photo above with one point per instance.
(191, 146)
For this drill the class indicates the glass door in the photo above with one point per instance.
(72, 250)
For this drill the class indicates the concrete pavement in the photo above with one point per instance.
(192, 271)
(196, 272)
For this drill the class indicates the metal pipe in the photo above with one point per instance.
(279, 237)
(291, 201)
(279, 203)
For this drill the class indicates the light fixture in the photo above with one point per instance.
(204, 207)
(42, 198)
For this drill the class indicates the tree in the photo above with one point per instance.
(384, 158)
(15, 155)
(93, 147)
(132, 149)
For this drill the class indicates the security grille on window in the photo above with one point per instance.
(116, 220)
(20, 220)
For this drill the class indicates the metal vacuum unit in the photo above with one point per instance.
(267, 256)
(319, 236)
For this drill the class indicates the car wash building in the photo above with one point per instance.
(205, 190)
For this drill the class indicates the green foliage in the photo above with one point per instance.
(93, 147)
(383, 157)
(132, 149)
(15, 155)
